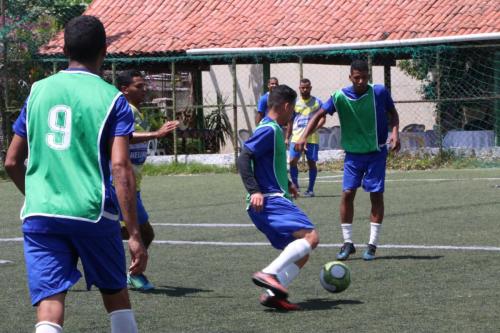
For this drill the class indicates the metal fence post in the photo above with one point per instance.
(438, 106)
(4, 139)
(301, 68)
(496, 92)
(235, 109)
(113, 73)
(174, 113)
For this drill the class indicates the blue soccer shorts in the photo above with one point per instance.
(279, 220)
(367, 170)
(312, 150)
(51, 262)
(142, 214)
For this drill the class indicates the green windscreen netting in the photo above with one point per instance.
(448, 96)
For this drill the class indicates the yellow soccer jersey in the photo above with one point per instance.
(304, 111)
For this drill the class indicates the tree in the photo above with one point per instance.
(26, 25)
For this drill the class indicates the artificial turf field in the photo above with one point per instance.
(437, 269)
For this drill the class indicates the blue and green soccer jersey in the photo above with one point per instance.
(363, 118)
(262, 104)
(56, 122)
(269, 151)
(304, 111)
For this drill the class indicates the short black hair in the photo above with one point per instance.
(305, 81)
(125, 78)
(359, 65)
(273, 78)
(84, 38)
(280, 95)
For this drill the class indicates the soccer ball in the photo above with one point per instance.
(335, 276)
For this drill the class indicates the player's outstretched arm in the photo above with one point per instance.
(311, 127)
(166, 128)
(321, 122)
(124, 179)
(394, 140)
(14, 161)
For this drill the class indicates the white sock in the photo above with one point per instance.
(47, 327)
(288, 274)
(374, 231)
(123, 321)
(347, 232)
(292, 253)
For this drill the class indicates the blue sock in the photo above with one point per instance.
(294, 173)
(312, 179)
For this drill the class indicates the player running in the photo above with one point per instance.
(262, 166)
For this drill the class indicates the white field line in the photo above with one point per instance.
(386, 246)
(2, 262)
(318, 180)
(205, 225)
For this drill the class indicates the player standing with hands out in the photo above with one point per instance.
(262, 166)
(73, 126)
(363, 111)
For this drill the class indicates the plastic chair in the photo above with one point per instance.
(243, 135)
(335, 138)
(324, 138)
(414, 128)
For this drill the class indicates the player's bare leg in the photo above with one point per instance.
(294, 171)
(313, 172)
(50, 313)
(120, 311)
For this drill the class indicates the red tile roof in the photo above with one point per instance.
(157, 26)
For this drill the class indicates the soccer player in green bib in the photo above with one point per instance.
(363, 111)
(72, 128)
(131, 83)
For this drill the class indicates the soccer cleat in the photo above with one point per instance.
(277, 303)
(309, 194)
(345, 251)
(369, 253)
(139, 282)
(270, 281)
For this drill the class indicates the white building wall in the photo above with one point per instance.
(324, 78)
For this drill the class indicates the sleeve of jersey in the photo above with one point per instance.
(121, 118)
(382, 95)
(262, 105)
(328, 106)
(19, 126)
(261, 142)
(389, 103)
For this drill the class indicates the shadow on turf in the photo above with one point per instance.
(406, 257)
(315, 304)
(321, 196)
(175, 291)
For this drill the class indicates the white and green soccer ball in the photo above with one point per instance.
(335, 276)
